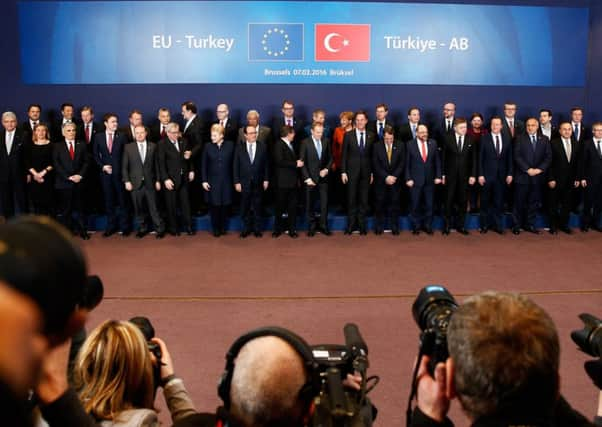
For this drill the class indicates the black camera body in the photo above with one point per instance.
(147, 329)
(432, 311)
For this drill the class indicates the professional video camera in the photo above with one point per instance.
(432, 311)
(337, 405)
(589, 340)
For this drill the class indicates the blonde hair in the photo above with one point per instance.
(218, 128)
(113, 371)
(34, 137)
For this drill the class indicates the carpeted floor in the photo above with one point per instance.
(201, 293)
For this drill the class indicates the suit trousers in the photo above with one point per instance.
(115, 203)
(527, 200)
(358, 195)
(70, 202)
(455, 200)
(250, 208)
(421, 206)
(12, 199)
(593, 204)
(179, 195)
(492, 204)
(140, 197)
(219, 217)
(387, 201)
(559, 204)
(286, 202)
(316, 205)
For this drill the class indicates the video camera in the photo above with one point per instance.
(337, 405)
(589, 340)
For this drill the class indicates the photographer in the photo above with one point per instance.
(502, 366)
(118, 388)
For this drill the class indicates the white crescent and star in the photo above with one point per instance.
(329, 38)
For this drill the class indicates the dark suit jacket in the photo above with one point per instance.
(27, 131)
(194, 136)
(285, 165)
(381, 166)
(525, 158)
(519, 128)
(459, 165)
(64, 167)
(231, 130)
(492, 167)
(440, 132)
(247, 173)
(127, 132)
(561, 170)
(264, 135)
(405, 132)
(298, 125)
(584, 133)
(353, 162)
(137, 173)
(12, 166)
(312, 165)
(155, 132)
(554, 133)
(590, 167)
(374, 129)
(102, 156)
(422, 173)
(81, 134)
(56, 129)
(171, 162)
(216, 169)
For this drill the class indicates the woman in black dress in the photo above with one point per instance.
(216, 169)
(38, 161)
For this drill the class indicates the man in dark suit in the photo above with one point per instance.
(356, 172)
(532, 157)
(70, 160)
(407, 131)
(388, 162)
(67, 116)
(134, 119)
(176, 173)
(377, 127)
(86, 131)
(13, 175)
(264, 133)
(316, 156)
(422, 173)
(193, 133)
(140, 177)
(562, 179)
(158, 130)
(546, 127)
(459, 172)
(512, 127)
(108, 155)
(445, 127)
(580, 132)
(34, 113)
(286, 175)
(496, 168)
(222, 113)
(251, 179)
(288, 119)
(591, 179)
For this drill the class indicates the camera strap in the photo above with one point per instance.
(414, 388)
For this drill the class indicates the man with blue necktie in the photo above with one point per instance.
(407, 131)
(377, 127)
(533, 157)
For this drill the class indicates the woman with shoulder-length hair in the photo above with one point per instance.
(114, 377)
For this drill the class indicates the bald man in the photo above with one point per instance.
(222, 112)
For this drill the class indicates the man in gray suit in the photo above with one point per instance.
(139, 172)
(264, 133)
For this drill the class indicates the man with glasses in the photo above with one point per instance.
(224, 120)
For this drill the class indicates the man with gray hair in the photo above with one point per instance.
(264, 133)
(222, 113)
(13, 175)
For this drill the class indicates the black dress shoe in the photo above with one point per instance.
(515, 231)
(276, 234)
(140, 234)
(378, 231)
(244, 234)
(483, 230)
(463, 231)
(258, 234)
(160, 235)
(445, 231)
(395, 231)
(223, 232)
(190, 231)
(126, 233)
(429, 231)
(499, 231)
(584, 228)
(293, 234)
(84, 235)
(326, 231)
(566, 230)
(532, 230)
(216, 233)
(415, 231)
(311, 233)
(348, 231)
(552, 231)
(108, 233)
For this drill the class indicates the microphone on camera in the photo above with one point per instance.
(357, 347)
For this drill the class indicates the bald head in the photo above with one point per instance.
(267, 378)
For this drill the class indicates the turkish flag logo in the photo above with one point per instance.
(342, 42)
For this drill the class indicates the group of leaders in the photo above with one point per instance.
(77, 165)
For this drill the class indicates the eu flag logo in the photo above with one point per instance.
(275, 42)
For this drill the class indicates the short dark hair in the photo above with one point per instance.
(360, 113)
(546, 110)
(576, 109)
(40, 259)
(286, 131)
(389, 130)
(385, 106)
(479, 115)
(190, 106)
(107, 116)
(316, 124)
(134, 111)
(34, 105)
(66, 104)
(496, 118)
(86, 108)
(506, 354)
(412, 109)
(287, 101)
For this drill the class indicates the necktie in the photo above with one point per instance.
(9, 142)
(175, 144)
(252, 152)
(413, 131)
(33, 125)
(88, 133)
(289, 122)
(142, 152)
(221, 123)
(497, 146)
(71, 150)
(163, 133)
(380, 130)
(319, 149)
(389, 153)
(533, 142)
(576, 131)
(460, 144)
(511, 125)
(567, 149)
(447, 126)
(424, 153)
(600, 148)
(362, 142)
(110, 143)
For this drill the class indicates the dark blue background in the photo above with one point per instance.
(334, 98)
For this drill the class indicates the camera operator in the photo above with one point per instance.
(502, 366)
